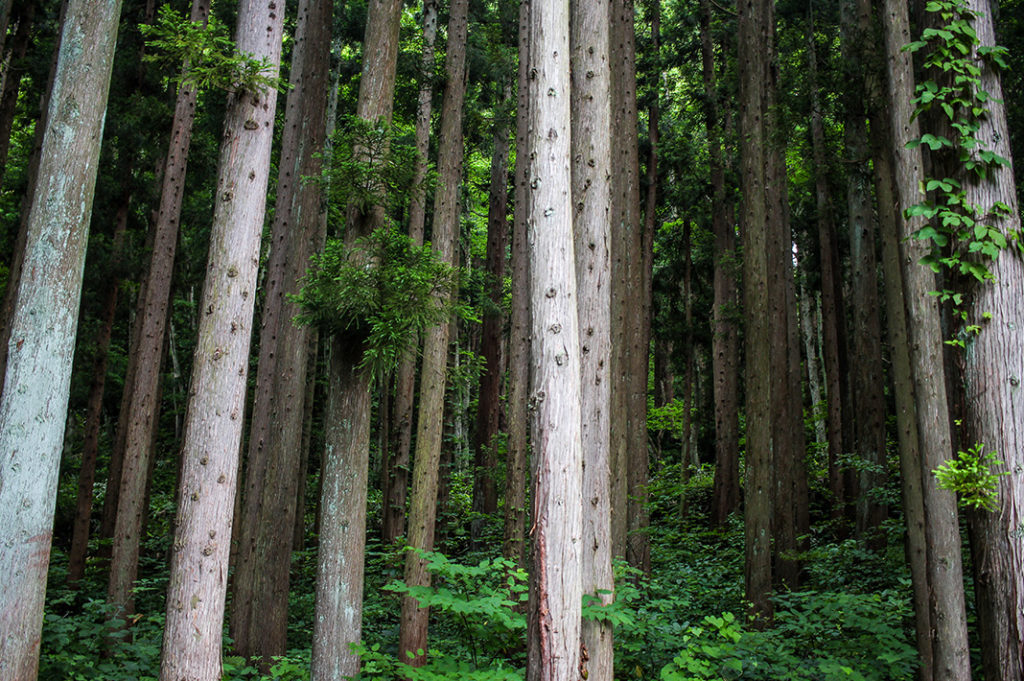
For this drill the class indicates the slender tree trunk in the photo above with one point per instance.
(94, 404)
(629, 350)
(213, 425)
(868, 379)
(754, 33)
(405, 376)
(725, 339)
(945, 572)
(260, 614)
(553, 630)
(591, 202)
(140, 407)
(519, 332)
(33, 407)
(485, 494)
(423, 502)
(993, 367)
(338, 616)
(13, 71)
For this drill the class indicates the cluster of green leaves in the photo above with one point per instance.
(383, 290)
(819, 636)
(970, 476)
(963, 234)
(208, 54)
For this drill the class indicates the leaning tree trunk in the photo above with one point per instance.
(33, 408)
(993, 367)
(213, 425)
(260, 605)
(591, 200)
(924, 335)
(338, 620)
(423, 502)
(553, 630)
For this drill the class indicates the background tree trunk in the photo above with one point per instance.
(33, 407)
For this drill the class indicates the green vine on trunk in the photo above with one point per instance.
(964, 236)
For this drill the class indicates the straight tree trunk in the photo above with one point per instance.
(629, 333)
(591, 204)
(868, 379)
(338, 611)
(725, 337)
(950, 647)
(140, 402)
(423, 502)
(405, 376)
(519, 323)
(13, 72)
(485, 494)
(754, 33)
(33, 407)
(553, 629)
(260, 616)
(213, 425)
(993, 366)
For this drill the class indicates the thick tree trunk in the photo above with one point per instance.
(629, 326)
(140, 407)
(405, 377)
(755, 33)
(993, 367)
(338, 617)
(553, 630)
(423, 502)
(591, 202)
(213, 425)
(33, 408)
(945, 572)
(514, 547)
(260, 616)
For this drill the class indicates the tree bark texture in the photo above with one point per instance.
(553, 630)
(945, 571)
(33, 407)
(140, 401)
(755, 32)
(591, 205)
(423, 502)
(260, 617)
(214, 420)
(993, 367)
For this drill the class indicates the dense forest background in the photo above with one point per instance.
(778, 500)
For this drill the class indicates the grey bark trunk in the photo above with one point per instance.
(213, 425)
(33, 407)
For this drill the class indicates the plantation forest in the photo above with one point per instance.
(548, 340)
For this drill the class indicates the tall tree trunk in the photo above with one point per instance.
(12, 75)
(485, 495)
(754, 34)
(423, 502)
(213, 425)
(591, 203)
(725, 337)
(514, 547)
(260, 616)
(405, 376)
(553, 630)
(33, 407)
(629, 333)
(94, 404)
(993, 367)
(338, 614)
(140, 407)
(868, 379)
(945, 571)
